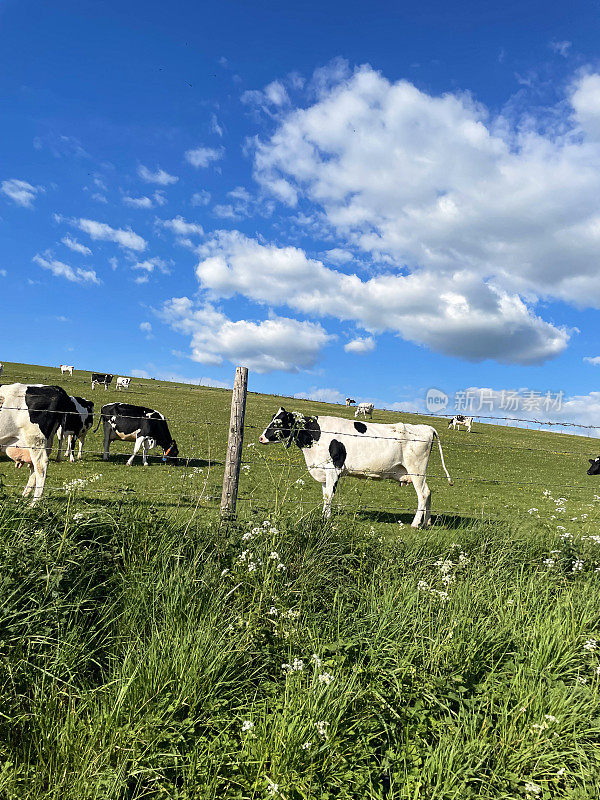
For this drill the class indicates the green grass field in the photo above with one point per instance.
(148, 651)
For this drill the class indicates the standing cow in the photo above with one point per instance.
(459, 420)
(364, 410)
(29, 418)
(68, 368)
(333, 446)
(350, 401)
(122, 383)
(75, 427)
(1, 368)
(99, 378)
(144, 426)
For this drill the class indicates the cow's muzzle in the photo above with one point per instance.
(263, 439)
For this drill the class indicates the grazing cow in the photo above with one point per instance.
(459, 420)
(66, 368)
(75, 427)
(350, 401)
(594, 466)
(123, 383)
(144, 426)
(29, 418)
(362, 409)
(99, 378)
(333, 446)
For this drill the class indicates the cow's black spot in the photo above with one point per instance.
(309, 433)
(337, 451)
(47, 406)
(360, 427)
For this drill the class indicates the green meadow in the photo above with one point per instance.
(149, 651)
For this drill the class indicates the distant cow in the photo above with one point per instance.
(144, 426)
(1, 368)
(66, 368)
(99, 378)
(459, 420)
(595, 466)
(333, 446)
(364, 409)
(75, 427)
(350, 402)
(29, 418)
(123, 383)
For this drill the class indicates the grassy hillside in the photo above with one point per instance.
(498, 471)
(147, 651)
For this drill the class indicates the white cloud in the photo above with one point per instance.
(278, 343)
(321, 395)
(203, 156)
(146, 328)
(438, 184)
(360, 345)
(160, 176)
(149, 265)
(455, 314)
(3, 273)
(100, 230)
(76, 246)
(595, 360)
(99, 198)
(215, 127)
(562, 48)
(175, 377)
(61, 270)
(273, 95)
(159, 198)
(20, 192)
(201, 198)
(60, 145)
(138, 202)
(181, 227)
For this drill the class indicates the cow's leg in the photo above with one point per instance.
(71, 447)
(81, 441)
(106, 441)
(31, 480)
(38, 469)
(331, 480)
(424, 497)
(145, 452)
(138, 443)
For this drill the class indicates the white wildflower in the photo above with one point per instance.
(251, 566)
(532, 510)
(315, 658)
(247, 536)
(247, 725)
(298, 665)
(307, 745)
(422, 586)
(532, 788)
(322, 728)
(224, 572)
(272, 612)
(550, 718)
(272, 788)
(549, 562)
(280, 566)
(274, 556)
(590, 644)
(581, 680)
(300, 482)
(577, 565)
(326, 678)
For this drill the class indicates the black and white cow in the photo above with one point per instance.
(29, 418)
(122, 383)
(333, 446)
(459, 420)
(350, 401)
(144, 426)
(1, 368)
(75, 427)
(594, 466)
(99, 378)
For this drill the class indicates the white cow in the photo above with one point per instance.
(333, 446)
(68, 368)
(123, 383)
(459, 420)
(29, 418)
(364, 409)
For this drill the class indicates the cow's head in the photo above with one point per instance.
(291, 426)
(594, 466)
(171, 452)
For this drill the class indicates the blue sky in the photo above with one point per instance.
(349, 198)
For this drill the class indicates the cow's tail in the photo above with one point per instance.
(100, 420)
(437, 436)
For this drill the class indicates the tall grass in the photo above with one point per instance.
(144, 658)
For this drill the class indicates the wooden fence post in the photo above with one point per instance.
(235, 441)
